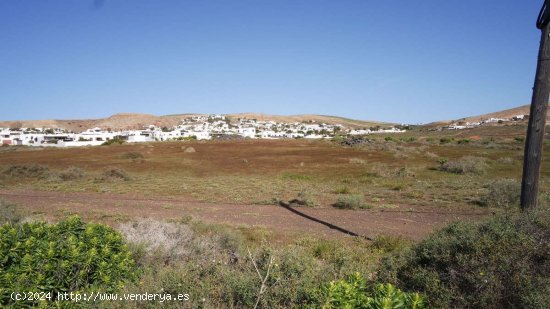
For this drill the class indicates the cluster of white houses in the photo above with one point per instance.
(200, 127)
(459, 125)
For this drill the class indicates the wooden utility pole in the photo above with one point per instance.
(537, 115)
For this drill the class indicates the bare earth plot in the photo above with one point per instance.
(411, 222)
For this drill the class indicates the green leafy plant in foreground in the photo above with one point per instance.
(354, 293)
(70, 256)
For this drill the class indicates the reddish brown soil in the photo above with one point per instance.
(412, 223)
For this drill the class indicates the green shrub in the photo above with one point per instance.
(386, 243)
(354, 293)
(64, 257)
(114, 141)
(408, 139)
(465, 165)
(501, 263)
(463, 141)
(503, 193)
(445, 140)
(350, 201)
(8, 213)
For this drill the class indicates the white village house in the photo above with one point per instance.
(197, 127)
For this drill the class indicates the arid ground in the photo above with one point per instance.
(396, 179)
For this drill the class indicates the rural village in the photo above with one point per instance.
(198, 127)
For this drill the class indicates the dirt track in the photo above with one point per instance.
(412, 223)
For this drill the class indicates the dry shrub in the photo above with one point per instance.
(401, 155)
(504, 193)
(383, 170)
(25, 171)
(506, 160)
(465, 165)
(170, 239)
(357, 161)
(132, 155)
(430, 155)
(351, 201)
(114, 173)
(9, 213)
(72, 173)
(341, 190)
(305, 198)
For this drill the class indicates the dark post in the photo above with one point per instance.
(537, 116)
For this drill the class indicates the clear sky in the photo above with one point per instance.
(402, 61)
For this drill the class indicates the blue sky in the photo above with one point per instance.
(402, 61)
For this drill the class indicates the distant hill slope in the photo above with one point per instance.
(125, 121)
(350, 123)
(507, 113)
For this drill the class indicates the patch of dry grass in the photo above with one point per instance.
(280, 170)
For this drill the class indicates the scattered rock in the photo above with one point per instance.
(353, 141)
(189, 149)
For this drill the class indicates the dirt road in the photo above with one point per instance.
(412, 223)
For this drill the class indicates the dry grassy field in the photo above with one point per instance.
(428, 178)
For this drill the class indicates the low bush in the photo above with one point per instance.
(169, 240)
(408, 139)
(25, 171)
(216, 267)
(355, 293)
(113, 141)
(506, 160)
(519, 139)
(64, 257)
(132, 155)
(72, 173)
(9, 213)
(383, 170)
(503, 193)
(350, 201)
(501, 263)
(305, 198)
(386, 243)
(114, 174)
(341, 190)
(445, 140)
(465, 165)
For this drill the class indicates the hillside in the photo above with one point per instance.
(350, 123)
(506, 114)
(123, 121)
